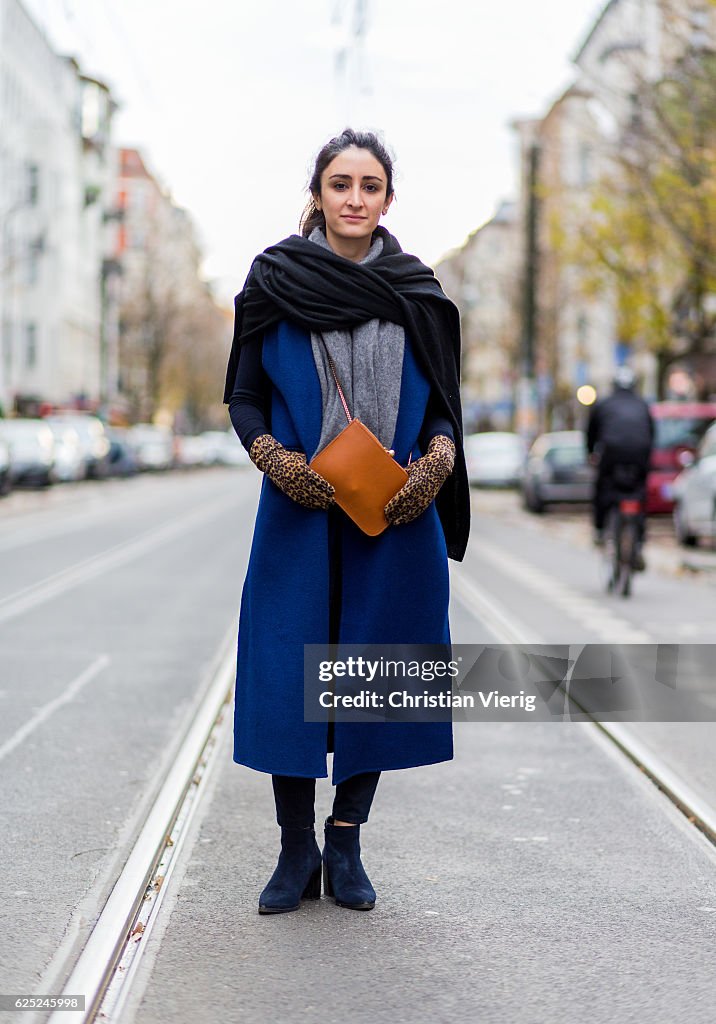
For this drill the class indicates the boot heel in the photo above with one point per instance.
(327, 887)
(313, 889)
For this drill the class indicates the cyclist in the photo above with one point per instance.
(620, 436)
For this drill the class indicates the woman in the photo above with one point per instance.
(343, 287)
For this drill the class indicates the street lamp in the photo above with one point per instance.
(586, 394)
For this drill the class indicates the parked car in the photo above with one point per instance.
(214, 442)
(69, 460)
(494, 458)
(5, 477)
(94, 443)
(694, 492)
(557, 469)
(121, 458)
(32, 450)
(230, 451)
(191, 450)
(679, 429)
(153, 446)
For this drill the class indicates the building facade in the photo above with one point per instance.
(55, 175)
(482, 278)
(172, 335)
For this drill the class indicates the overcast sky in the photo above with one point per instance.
(230, 100)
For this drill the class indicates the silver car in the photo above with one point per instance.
(94, 444)
(69, 460)
(32, 450)
(494, 458)
(224, 448)
(694, 493)
(153, 446)
(557, 470)
(192, 451)
(5, 478)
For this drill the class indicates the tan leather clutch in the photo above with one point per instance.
(363, 473)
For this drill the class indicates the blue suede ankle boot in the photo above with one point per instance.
(297, 875)
(344, 876)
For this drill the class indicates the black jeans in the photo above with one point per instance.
(295, 799)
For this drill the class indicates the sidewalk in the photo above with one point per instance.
(537, 877)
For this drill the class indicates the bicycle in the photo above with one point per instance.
(622, 541)
(624, 488)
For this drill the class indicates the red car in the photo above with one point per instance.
(679, 429)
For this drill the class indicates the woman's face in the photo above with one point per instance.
(353, 194)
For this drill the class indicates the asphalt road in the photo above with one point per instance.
(538, 876)
(545, 574)
(113, 604)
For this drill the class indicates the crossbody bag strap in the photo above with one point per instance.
(335, 377)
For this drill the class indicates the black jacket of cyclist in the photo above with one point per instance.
(620, 437)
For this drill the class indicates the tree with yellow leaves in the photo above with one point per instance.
(648, 229)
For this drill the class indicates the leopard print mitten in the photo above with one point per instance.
(291, 473)
(425, 478)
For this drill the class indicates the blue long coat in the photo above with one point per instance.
(394, 590)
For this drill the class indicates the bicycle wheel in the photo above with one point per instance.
(628, 541)
(610, 557)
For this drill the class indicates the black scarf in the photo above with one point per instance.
(300, 281)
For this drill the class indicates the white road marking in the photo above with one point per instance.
(583, 609)
(38, 593)
(49, 709)
(612, 734)
(503, 624)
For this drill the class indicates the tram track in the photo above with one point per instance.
(109, 960)
(507, 630)
(126, 893)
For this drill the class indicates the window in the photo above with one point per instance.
(33, 263)
(680, 431)
(563, 456)
(33, 184)
(30, 345)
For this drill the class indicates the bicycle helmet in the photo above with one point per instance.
(624, 377)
